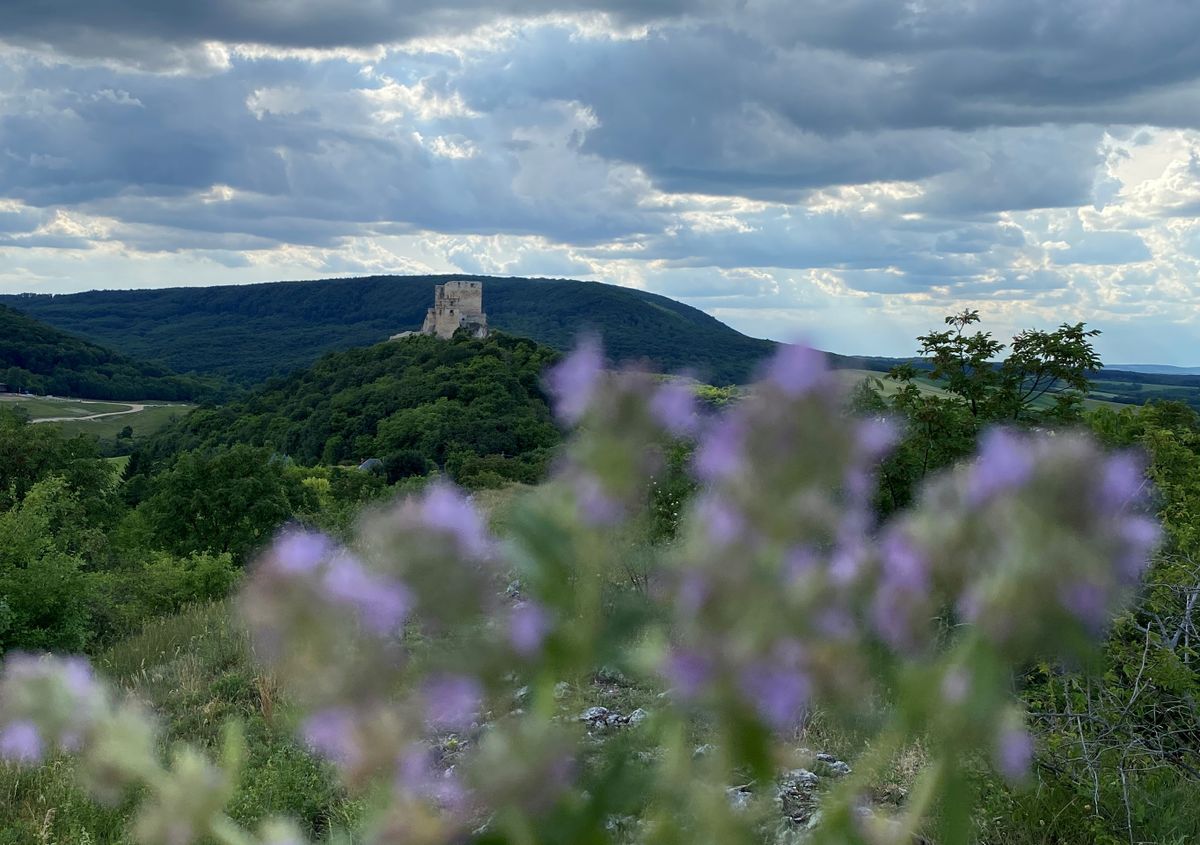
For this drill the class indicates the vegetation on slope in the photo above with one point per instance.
(250, 332)
(471, 408)
(38, 358)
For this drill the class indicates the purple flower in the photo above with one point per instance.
(75, 692)
(298, 552)
(778, 692)
(21, 742)
(1014, 753)
(904, 567)
(418, 775)
(688, 672)
(876, 437)
(444, 508)
(381, 603)
(452, 701)
(1141, 536)
(956, 683)
(527, 628)
(1088, 602)
(674, 407)
(846, 563)
(835, 623)
(723, 523)
(1123, 480)
(891, 617)
(799, 562)
(333, 734)
(573, 381)
(596, 506)
(694, 590)
(719, 454)
(796, 369)
(1005, 462)
(77, 676)
(901, 589)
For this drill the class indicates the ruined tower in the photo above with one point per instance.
(456, 305)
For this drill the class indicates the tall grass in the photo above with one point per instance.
(194, 670)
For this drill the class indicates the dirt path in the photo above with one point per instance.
(133, 409)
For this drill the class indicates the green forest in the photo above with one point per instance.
(250, 332)
(473, 409)
(135, 565)
(37, 358)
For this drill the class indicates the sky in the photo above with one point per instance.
(844, 172)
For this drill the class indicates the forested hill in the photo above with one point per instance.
(473, 408)
(250, 332)
(39, 358)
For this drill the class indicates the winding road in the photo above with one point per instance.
(132, 409)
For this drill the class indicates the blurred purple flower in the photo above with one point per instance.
(876, 437)
(1141, 536)
(452, 701)
(445, 508)
(688, 672)
(891, 618)
(796, 369)
(333, 734)
(778, 693)
(835, 623)
(694, 590)
(596, 506)
(799, 562)
(527, 628)
(70, 675)
(381, 603)
(1088, 602)
(20, 742)
(77, 676)
(674, 407)
(297, 552)
(846, 563)
(719, 454)
(1123, 481)
(956, 684)
(903, 566)
(573, 381)
(721, 521)
(418, 775)
(1014, 753)
(1005, 462)
(902, 587)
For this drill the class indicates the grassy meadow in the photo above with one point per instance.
(152, 417)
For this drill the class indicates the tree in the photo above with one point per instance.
(231, 500)
(975, 391)
(42, 590)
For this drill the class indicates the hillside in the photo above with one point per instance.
(471, 407)
(250, 332)
(38, 358)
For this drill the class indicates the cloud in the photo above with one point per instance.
(763, 159)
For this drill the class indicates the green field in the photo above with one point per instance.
(149, 419)
(850, 377)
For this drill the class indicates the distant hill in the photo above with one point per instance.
(473, 408)
(38, 358)
(250, 332)
(1159, 369)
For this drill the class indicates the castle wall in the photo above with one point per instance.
(456, 304)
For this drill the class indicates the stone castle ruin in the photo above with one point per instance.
(456, 305)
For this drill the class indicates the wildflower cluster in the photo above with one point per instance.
(427, 661)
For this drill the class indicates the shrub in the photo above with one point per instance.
(431, 681)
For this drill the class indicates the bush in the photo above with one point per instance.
(432, 681)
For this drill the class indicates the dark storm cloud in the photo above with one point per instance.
(123, 29)
(568, 131)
